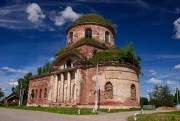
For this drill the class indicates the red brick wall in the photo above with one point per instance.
(39, 83)
(98, 32)
(88, 87)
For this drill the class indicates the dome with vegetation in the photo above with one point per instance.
(92, 18)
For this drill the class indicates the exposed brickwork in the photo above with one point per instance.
(98, 33)
(39, 84)
(74, 84)
(121, 88)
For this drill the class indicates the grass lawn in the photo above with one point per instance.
(166, 116)
(70, 111)
(118, 110)
(60, 110)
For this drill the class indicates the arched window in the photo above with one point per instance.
(108, 91)
(88, 33)
(133, 92)
(107, 37)
(71, 37)
(68, 63)
(45, 93)
(36, 92)
(32, 94)
(40, 93)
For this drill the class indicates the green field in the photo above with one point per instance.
(60, 110)
(118, 110)
(70, 111)
(167, 116)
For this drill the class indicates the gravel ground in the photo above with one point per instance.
(24, 115)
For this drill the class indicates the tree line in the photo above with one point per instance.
(161, 96)
(23, 83)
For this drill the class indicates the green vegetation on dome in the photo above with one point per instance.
(65, 50)
(91, 18)
(123, 55)
(91, 41)
(73, 48)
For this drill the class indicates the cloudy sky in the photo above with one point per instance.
(32, 30)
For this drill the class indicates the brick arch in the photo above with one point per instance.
(45, 93)
(108, 90)
(32, 94)
(133, 92)
(36, 93)
(71, 37)
(88, 33)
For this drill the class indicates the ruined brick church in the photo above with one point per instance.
(87, 70)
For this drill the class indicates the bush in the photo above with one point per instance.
(1, 104)
(13, 104)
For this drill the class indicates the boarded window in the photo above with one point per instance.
(108, 91)
(133, 92)
(107, 37)
(71, 37)
(32, 94)
(40, 93)
(88, 33)
(45, 93)
(36, 93)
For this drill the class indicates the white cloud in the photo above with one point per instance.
(171, 82)
(142, 4)
(66, 15)
(3, 89)
(177, 10)
(168, 56)
(35, 14)
(51, 59)
(13, 83)
(168, 75)
(5, 79)
(1, 72)
(177, 66)
(151, 90)
(15, 70)
(155, 81)
(10, 20)
(153, 72)
(177, 28)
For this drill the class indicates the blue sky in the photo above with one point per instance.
(32, 30)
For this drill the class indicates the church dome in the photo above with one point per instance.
(92, 19)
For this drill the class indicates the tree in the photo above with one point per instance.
(39, 70)
(44, 69)
(143, 101)
(25, 85)
(161, 96)
(1, 93)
